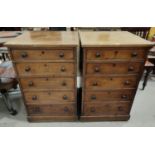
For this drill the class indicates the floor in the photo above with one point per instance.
(142, 113)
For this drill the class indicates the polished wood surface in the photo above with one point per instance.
(45, 39)
(111, 39)
(57, 54)
(46, 66)
(113, 63)
(43, 83)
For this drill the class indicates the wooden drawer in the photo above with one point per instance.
(53, 54)
(108, 108)
(52, 110)
(110, 82)
(114, 68)
(47, 83)
(114, 53)
(101, 96)
(44, 69)
(49, 97)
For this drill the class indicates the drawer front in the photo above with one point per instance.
(52, 110)
(43, 54)
(104, 54)
(110, 82)
(43, 69)
(48, 83)
(113, 68)
(111, 108)
(92, 97)
(49, 97)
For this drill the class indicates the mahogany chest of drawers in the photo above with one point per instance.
(46, 66)
(113, 63)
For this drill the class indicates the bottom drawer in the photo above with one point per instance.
(108, 108)
(52, 110)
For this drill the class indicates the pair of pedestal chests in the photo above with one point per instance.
(47, 64)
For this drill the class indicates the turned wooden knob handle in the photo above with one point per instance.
(124, 96)
(65, 97)
(120, 108)
(131, 68)
(24, 55)
(64, 83)
(31, 83)
(92, 109)
(63, 69)
(97, 69)
(95, 84)
(27, 69)
(127, 82)
(61, 55)
(98, 54)
(93, 97)
(34, 97)
(66, 109)
(134, 54)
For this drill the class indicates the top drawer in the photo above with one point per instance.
(53, 54)
(123, 54)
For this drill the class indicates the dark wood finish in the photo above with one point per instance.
(46, 67)
(113, 63)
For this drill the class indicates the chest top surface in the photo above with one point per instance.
(112, 39)
(45, 39)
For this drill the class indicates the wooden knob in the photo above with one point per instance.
(120, 108)
(124, 96)
(66, 109)
(34, 97)
(63, 69)
(64, 83)
(61, 55)
(31, 83)
(96, 69)
(27, 69)
(65, 97)
(93, 97)
(98, 54)
(92, 109)
(134, 54)
(95, 84)
(131, 68)
(127, 82)
(24, 55)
